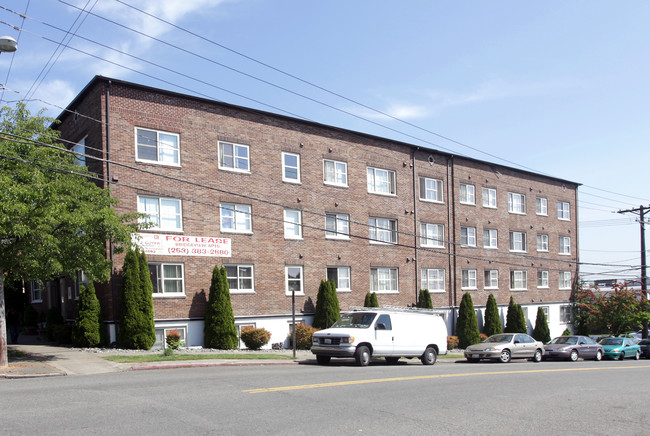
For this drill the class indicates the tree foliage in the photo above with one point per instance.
(219, 328)
(371, 300)
(492, 325)
(467, 324)
(137, 329)
(327, 306)
(88, 324)
(541, 331)
(424, 300)
(515, 320)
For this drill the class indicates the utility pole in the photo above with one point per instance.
(644, 277)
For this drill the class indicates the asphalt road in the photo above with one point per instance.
(548, 398)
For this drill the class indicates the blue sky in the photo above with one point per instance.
(557, 87)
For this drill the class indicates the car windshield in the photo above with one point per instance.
(355, 320)
(499, 338)
(612, 341)
(569, 340)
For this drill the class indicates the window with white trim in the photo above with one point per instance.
(340, 275)
(490, 198)
(545, 310)
(490, 238)
(565, 280)
(467, 194)
(292, 224)
(518, 280)
(432, 235)
(491, 277)
(468, 236)
(161, 335)
(235, 218)
(335, 172)
(542, 242)
(155, 146)
(162, 213)
(565, 314)
(37, 291)
(293, 280)
(79, 149)
(433, 279)
(541, 207)
(234, 157)
(516, 203)
(240, 279)
(518, 241)
(167, 278)
(542, 279)
(431, 189)
(564, 244)
(468, 279)
(290, 167)
(383, 230)
(381, 181)
(337, 225)
(384, 280)
(563, 210)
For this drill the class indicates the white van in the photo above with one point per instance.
(389, 333)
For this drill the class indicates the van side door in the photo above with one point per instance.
(384, 336)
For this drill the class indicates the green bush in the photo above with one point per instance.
(566, 332)
(255, 338)
(467, 324)
(452, 342)
(515, 320)
(492, 325)
(424, 300)
(132, 322)
(327, 305)
(52, 319)
(541, 331)
(219, 328)
(30, 316)
(304, 335)
(63, 333)
(371, 300)
(173, 339)
(87, 325)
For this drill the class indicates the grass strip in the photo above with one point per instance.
(174, 357)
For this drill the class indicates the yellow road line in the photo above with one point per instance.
(426, 377)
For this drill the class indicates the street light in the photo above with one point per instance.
(8, 44)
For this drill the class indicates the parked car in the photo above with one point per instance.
(573, 348)
(506, 346)
(617, 347)
(644, 346)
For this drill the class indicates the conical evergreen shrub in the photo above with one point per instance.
(374, 301)
(219, 329)
(87, 325)
(511, 317)
(130, 302)
(424, 300)
(492, 325)
(541, 331)
(327, 306)
(147, 335)
(522, 326)
(467, 324)
(368, 300)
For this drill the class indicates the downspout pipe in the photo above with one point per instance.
(415, 224)
(451, 239)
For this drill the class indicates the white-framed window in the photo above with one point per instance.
(162, 213)
(518, 280)
(384, 280)
(335, 172)
(290, 167)
(432, 235)
(167, 278)
(565, 280)
(154, 146)
(381, 181)
(240, 279)
(293, 280)
(541, 206)
(542, 279)
(234, 157)
(468, 236)
(542, 242)
(79, 149)
(563, 210)
(161, 335)
(37, 291)
(468, 279)
(491, 277)
(490, 238)
(564, 244)
(490, 198)
(467, 194)
(292, 224)
(340, 275)
(433, 279)
(565, 314)
(517, 241)
(516, 203)
(81, 280)
(545, 310)
(337, 225)
(431, 189)
(383, 230)
(236, 218)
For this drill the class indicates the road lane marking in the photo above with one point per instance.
(428, 377)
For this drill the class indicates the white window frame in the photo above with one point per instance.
(343, 279)
(518, 277)
(490, 198)
(431, 190)
(337, 226)
(388, 283)
(564, 245)
(433, 279)
(516, 203)
(467, 194)
(518, 241)
(468, 236)
(490, 239)
(566, 314)
(181, 328)
(159, 281)
(163, 148)
(468, 279)
(79, 149)
(158, 219)
(242, 221)
(491, 278)
(382, 227)
(300, 279)
(432, 235)
(240, 279)
(286, 166)
(335, 173)
(564, 280)
(292, 224)
(542, 242)
(541, 206)
(542, 279)
(237, 158)
(386, 185)
(563, 211)
(36, 291)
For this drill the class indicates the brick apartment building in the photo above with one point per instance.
(293, 202)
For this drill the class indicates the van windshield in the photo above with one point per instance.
(355, 320)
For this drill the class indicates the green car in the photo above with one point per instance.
(620, 348)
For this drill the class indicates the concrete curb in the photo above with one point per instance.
(208, 364)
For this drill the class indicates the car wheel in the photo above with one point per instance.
(637, 356)
(599, 355)
(323, 360)
(537, 357)
(429, 356)
(573, 357)
(621, 356)
(362, 355)
(392, 360)
(505, 356)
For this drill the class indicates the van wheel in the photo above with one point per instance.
(362, 355)
(392, 360)
(323, 360)
(429, 357)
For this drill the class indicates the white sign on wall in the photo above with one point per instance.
(180, 245)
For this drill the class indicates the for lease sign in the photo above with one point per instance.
(180, 245)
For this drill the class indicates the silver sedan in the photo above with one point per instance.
(504, 347)
(573, 348)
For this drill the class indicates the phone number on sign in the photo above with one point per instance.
(198, 251)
